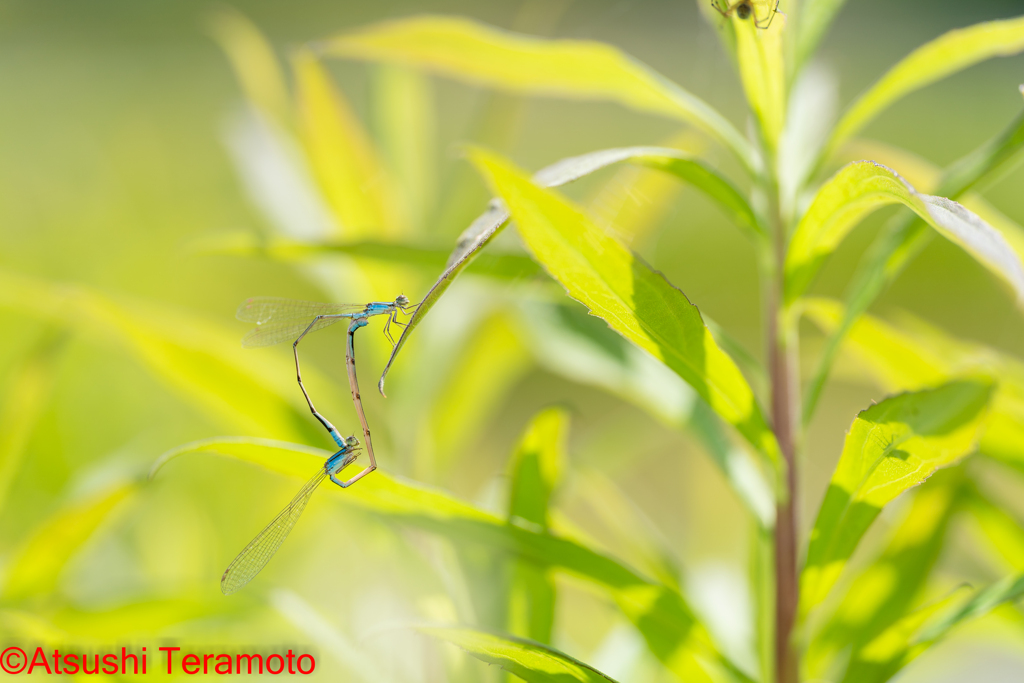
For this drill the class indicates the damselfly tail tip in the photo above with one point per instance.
(380, 387)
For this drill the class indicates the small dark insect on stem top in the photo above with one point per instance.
(744, 10)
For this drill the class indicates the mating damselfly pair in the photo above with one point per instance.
(279, 320)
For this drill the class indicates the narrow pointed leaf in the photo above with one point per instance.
(944, 56)
(815, 18)
(500, 266)
(883, 657)
(25, 397)
(572, 69)
(490, 364)
(763, 72)
(581, 349)
(254, 62)
(405, 126)
(919, 631)
(37, 566)
(1001, 531)
(537, 466)
(636, 301)
(891, 447)
(862, 187)
(885, 590)
(189, 355)
(527, 659)
(659, 612)
(536, 470)
(896, 247)
(489, 223)
(353, 179)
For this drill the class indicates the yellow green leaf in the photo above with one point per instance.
(537, 466)
(535, 471)
(37, 566)
(887, 588)
(405, 126)
(896, 647)
(25, 398)
(254, 62)
(815, 17)
(493, 360)
(1003, 532)
(636, 301)
(864, 186)
(572, 69)
(944, 56)
(659, 612)
(479, 234)
(355, 182)
(891, 447)
(763, 72)
(527, 659)
(197, 359)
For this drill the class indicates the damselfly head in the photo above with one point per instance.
(402, 301)
(351, 442)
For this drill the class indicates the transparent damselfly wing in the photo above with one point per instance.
(280, 320)
(254, 557)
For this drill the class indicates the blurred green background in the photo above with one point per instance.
(125, 146)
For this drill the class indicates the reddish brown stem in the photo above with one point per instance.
(785, 413)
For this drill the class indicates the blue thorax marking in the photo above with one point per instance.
(340, 460)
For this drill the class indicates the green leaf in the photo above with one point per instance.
(864, 186)
(354, 181)
(891, 447)
(194, 358)
(572, 69)
(944, 56)
(1003, 532)
(918, 632)
(917, 355)
(487, 225)
(885, 590)
(406, 130)
(527, 659)
(897, 246)
(659, 612)
(490, 364)
(763, 72)
(636, 301)
(883, 657)
(537, 466)
(36, 567)
(896, 360)
(584, 350)
(254, 62)
(536, 470)
(500, 266)
(815, 17)
(26, 396)
(624, 523)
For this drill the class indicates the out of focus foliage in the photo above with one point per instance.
(544, 498)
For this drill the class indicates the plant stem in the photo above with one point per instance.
(785, 420)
